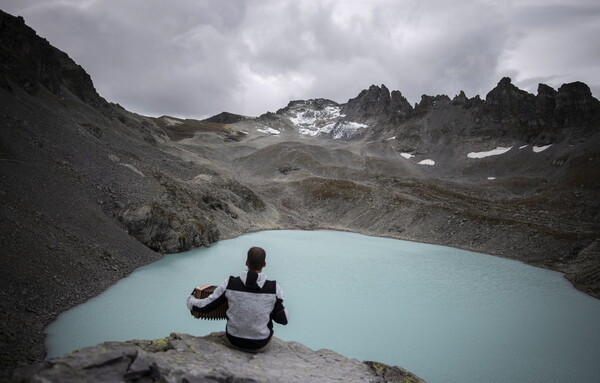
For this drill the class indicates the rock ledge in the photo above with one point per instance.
(184, 358)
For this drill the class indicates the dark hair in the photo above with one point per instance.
(256, 258)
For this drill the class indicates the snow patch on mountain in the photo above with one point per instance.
(346, 129)
(314, 130)
(267, 130)
(501, 150)
(427, 162)
(171, 121)
(494, 152)
(313, 120)
(538, 149)
(320, 118)
(310, 117)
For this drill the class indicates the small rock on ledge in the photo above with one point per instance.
(182, 358)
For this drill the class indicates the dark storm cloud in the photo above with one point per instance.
(198, 58)
(557, 41)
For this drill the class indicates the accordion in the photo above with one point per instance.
(202, 292)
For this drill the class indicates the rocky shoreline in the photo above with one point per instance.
(208, 359)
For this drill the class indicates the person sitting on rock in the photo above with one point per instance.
(254, 303)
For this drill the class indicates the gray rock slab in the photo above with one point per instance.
(182, 358)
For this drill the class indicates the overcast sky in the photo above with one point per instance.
(194, 58)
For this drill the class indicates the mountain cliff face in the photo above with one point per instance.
(91, 191)
(30, 62)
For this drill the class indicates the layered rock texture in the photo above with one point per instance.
(90, 191)
(187, 359)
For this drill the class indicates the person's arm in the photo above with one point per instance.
(209, 303)
(279, 313)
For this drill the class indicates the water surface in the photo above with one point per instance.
(445, 314)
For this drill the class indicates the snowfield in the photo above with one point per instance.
(268, 130)
(311, 122)
(310, 117)
(171, 122)
(494, 152)
(346, 129)
(314, 131)
(326, 121)
(537, 149)
(501, 150)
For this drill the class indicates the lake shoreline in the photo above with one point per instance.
(436, 289)
(554, 266)
(35, 340)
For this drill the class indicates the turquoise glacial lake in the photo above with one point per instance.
(445, 314)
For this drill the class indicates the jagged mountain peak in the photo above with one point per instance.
(428, 101)
(226, 118)
(374, 93)
(314, 117)
(30, 62)
(548, 116)
(509, 112)
(577, 88)
(544, 90)
(506, 90)
(314, 103)
(460, 98)
(505, 82)
(377, 99)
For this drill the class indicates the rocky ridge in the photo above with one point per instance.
(90, 191)
(507, 112)
(184, 358)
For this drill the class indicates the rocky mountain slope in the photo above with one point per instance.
(91, 191)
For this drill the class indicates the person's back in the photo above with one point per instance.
(254, 303)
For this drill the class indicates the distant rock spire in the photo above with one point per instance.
(506, 102)
(376, 104)
(399, 105)
(460, 99)
(576, 107)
